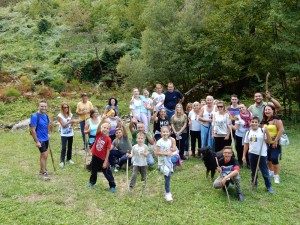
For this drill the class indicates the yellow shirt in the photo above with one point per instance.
(84, 106)
(273, 131)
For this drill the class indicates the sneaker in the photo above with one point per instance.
(241, 197)
(70, 162)
(45, 176)
(117, 167)
(48, 172)
(112, 189)
(271, 173)
(130, 189)
(61, 165)
(168, 197)
(276, 179)
(271, 190)
(90, 184)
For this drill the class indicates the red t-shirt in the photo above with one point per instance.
(102, 143)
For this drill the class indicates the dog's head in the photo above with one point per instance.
(205, 151)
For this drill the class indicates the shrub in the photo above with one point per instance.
(43, 26)
(58, 85)
(25, 84)
(45, 92)
(12, 92)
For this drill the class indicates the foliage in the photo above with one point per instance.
(12, 92)
(43, 26)
(58, 85)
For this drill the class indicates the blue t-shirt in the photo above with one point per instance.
(42, 127)
(108, 108)
(171, 99)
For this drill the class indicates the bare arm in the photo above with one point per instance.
(131, 128)
(273, 100)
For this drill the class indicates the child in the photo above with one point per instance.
(139, 154)
(255, 142)
(164, 150)
(100, 153)
(158, 98)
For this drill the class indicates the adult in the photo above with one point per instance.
(205, 116)
(112, 104)
(39, 129)
(91, 126)
(229, 172)
(136, 105)
(115, 122)
(188, 108)
(148, 140)
(158, 98)
(83, 110)
(66, 132)
(146, 108)
(120, 146)
(221, 127)
(233, 111)
(242, 125)
(275, 127)
(179, 124)
(257, 108)
(195, 127)
(160, 120)
(172, 98)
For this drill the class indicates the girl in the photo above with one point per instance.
(158, 98)
(147, 106)
(66, 131)
(160, 120)
(115, 122)
(112, 104)
(91, 126)
(164, 150)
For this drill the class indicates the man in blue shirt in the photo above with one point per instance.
(172, 98)
(39, 129)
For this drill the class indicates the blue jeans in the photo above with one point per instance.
(253, 158)
(117, 154)
(167, 183)
(150, 159)
(206, 139)
(170, 113)
(174, 159)
(82, 124)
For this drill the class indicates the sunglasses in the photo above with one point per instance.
(220, 106)
(66, 107)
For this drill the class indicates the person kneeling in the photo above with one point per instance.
(228, 167)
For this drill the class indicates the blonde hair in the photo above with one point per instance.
(141, 135)
(164, 128)
(62, 109)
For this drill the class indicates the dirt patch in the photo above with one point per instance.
(34, 198)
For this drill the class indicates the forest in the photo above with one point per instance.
(222, 47)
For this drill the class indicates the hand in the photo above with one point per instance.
(169, 153)
(104, 166)
(274, 145)
(145, 154)
(38, 144)
(219, 169)
(223, 181)
(244, 159)
(134, 120)
(212, 136)
(268, 94)
(227, 137)
(128, 155)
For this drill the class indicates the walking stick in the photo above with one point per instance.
(229, 202)
(232, 139)
(51, 154)
(258, 161)
(267, 79)
(127, 178)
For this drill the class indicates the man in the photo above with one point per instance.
(233, 111)
(83, 110)
(39, 129)
(148, 140)
(229, 172)
(172, 97)
(257, 108)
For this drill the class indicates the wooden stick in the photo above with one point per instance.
(51, 154)
(267, 81)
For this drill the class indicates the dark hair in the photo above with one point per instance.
(265, 119)
(109, 101)
(84, 94)
(43, 101)
(92, 112)
(114, 111)
(234, 95)
(255, 118)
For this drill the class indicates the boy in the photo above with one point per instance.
(139, 154)
(255, 142)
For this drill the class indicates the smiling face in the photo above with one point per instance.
(140, 127)
(158, 88)
(234, 101)
(196, 106)
(178, 108)
(119, 133)
(269, 112)
(242, 108)
(112, 101)
(162, 113)
(165, 133)
(105, 127)
(258, 98)
(227, 153)
(254, 123)
(136, 92)
(170, 88)
(140, 139)
(146, 93)
(65, 108)
(209, 100)
(43, 107)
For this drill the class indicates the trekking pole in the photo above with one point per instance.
(51, 154)
(127, 165)
(229, 202)
(232, 139)
(258, 161)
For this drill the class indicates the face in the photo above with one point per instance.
(43, 107)
(242, 108)
(227, 154)
(178, 108)
(140, 127)
(220, 107)
(112, 101)
(162, 113)
(84, 98)
(105, 128)
(140, 140)
(196, 106)
(203, 103)
(258, 97)
(66, 108)
(146, 93)
(170, 88)
(165, 133)
(119, 134)
(254, 124)
(209, 100)
(234, 100)
(189, 108)
(269, 111)
(96, 114)
(158, 89)
(136, 92)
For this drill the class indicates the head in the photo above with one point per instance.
(159, 88)
(165, 132)
(269, 112)
(234, 99)
(170, 87)
(209, 100)
(146, 93)
(221, 106)
(203, 102)
(227, 153)
(254, 123)
(189, 107)
(258, 97)
(140, 138)
(65, 109)
(140, 127)
(112, 101)
(135, 92)
(179, 110)
(104, 128)
(216, 101)
(94, 113)
(118, 133)
(196, 106)
(84, 97)
(43, 107)
(242, 108)
(162, 113)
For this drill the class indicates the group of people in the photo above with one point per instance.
(255, 132)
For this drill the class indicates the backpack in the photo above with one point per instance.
(37, 121)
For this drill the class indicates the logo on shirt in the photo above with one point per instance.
(100, 144)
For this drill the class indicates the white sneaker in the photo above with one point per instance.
(276, 179)
(168, 197)
(271, 173)
(70, 162)
(61, 165)
(116, 169)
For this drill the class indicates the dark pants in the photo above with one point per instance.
(239, 150)
(181, 144)
(220, 143)
(186, 147)
(157, 137)
(273, 154)
(143, 172)
(167, 183)
(116, 154)
(82, 124)
(195, 135)
(97, 164)
(64, 141)
(262, 166)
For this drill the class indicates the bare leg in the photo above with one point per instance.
(43, 161)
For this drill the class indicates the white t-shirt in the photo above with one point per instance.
(159, 98)
(255, 138)
(242, 129)
(139, 158)
(164, 146)
(207, 115)
(195, 123)
(220, 123)
(68, 130)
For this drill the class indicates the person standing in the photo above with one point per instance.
(158, 98)
(112, 104)
(91, 126)
(160, 120)
(66, 132)
(205, 116)
(39, 129)
(195, 127)
(233, 112)
(146, 108)
(172, 98)
(257, 109)
(83, 110)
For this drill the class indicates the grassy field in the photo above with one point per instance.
(65, 199)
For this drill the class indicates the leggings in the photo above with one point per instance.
(145, 120)
(167, 183)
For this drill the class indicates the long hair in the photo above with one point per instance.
(62, 109)
(265, 119)
(109, 101)
(178, 115)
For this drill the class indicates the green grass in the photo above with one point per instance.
(65, 199)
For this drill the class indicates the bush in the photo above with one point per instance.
(58, 85)
(43, 26)
(12, 92)
(45, 92)
(25, 84)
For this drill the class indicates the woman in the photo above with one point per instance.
(242, 125)
(195, 127)
(275, 127)
(146, 108)
(179, 124)
(188, 108)
(220, 127)
(115, 122)
(112, 104)
(205, 116)
(160, 120)
(92, 125)
(66, 132)
(136, 107)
